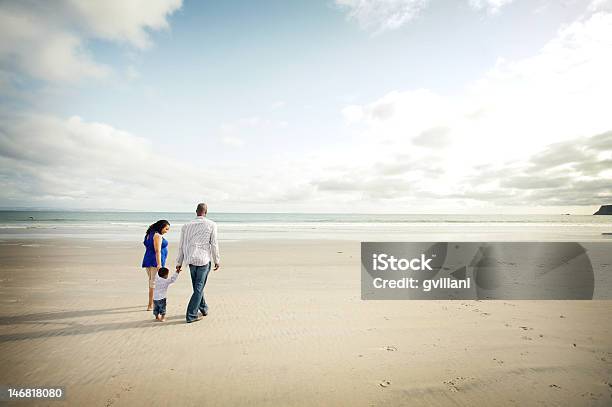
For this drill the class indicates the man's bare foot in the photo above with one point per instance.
(157, 317)
(162, 319)
(150, 308)
(199, 318)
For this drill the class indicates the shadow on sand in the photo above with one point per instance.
(72, 328)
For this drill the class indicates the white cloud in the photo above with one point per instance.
(123, 21)
(600, 5)
(408, 111)
(491, 6)
(46, 160)
(517, 108)
(383, 15)
(414, 147)
(576, 172)
(42, 51)
(48, 40)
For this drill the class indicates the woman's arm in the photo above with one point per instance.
(157, 242)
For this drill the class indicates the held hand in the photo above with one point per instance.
(217, 265)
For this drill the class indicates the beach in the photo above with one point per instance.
(411, 201)
(286, 327)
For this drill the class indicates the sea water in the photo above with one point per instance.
(131, 226)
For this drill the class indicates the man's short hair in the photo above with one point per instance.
(163, 272)
(202, 208)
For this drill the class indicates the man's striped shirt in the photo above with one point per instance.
(198, 244)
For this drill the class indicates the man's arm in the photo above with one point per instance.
(181, 254)
(214, 247)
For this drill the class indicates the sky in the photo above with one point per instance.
(368, 106)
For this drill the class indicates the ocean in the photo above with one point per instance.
(130, 226)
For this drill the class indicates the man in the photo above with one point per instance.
(197, 248)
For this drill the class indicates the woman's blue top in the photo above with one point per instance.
(149, 259)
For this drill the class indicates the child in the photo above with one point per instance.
(162, 282)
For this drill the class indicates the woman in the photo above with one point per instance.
(155, 254)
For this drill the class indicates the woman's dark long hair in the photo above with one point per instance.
(156, 227)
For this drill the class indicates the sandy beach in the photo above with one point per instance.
(412, 201)
(286, 327)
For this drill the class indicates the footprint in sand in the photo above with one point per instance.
(111, 401)
(592, 396)
(453, 383)
(390, 348)
(384, 383)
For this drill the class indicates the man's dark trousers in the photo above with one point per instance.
(199, 275)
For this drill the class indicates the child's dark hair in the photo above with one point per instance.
(163, 272)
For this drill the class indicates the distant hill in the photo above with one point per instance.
(604, 210)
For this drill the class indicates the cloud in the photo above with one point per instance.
(530, 182)
(561, 92)
(53, 162)
(491, 6)
(122, 21)
(48, 161)
(30, 45)
(574, 172)
(48, 41)
(516, 136)
(376, 189)
(535, 181)
(394, 177)
(436, 137)
(407, 112)
(600, 5)
(384, 15)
